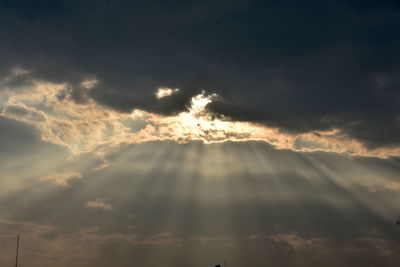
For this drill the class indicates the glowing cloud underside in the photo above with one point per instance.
(91, 127)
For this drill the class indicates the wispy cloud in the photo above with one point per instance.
(369, 244)
(99, 204)
(61, 178)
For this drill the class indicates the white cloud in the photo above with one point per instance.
(163, 92)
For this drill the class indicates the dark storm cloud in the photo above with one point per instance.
(301, 66)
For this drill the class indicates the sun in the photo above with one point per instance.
(198, 104)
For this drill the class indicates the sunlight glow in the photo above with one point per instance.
(92, 127)
(199, 103)
(163, 92)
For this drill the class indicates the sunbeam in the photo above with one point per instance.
(191, 134)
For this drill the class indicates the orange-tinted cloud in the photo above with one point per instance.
(99, 204)
(91, 127)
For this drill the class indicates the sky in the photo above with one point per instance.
(189, 133)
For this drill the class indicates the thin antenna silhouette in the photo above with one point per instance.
(225, 263)
(16, 256)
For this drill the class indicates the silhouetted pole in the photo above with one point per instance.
(224, 263)
(16, 257)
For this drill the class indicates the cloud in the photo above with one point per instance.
(61, 178)
(99, 204)
(300, 243)
(90, 127)
(164, 92)
(371, 244)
